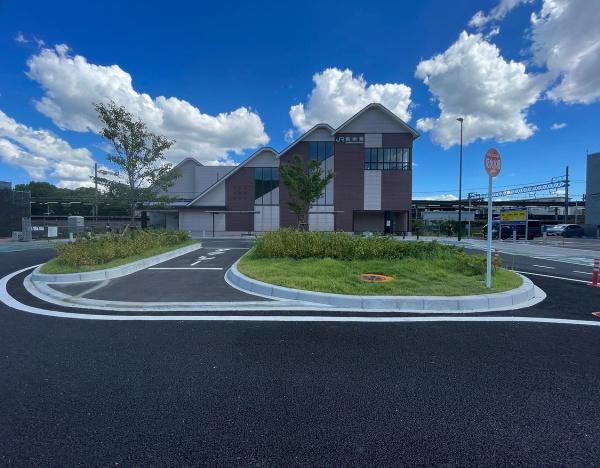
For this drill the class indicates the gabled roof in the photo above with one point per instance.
(183, 161)
(304, 135)
(381, 107)
(233, 171)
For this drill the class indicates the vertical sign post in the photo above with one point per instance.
(492, 163)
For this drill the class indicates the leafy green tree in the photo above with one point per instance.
(139, 155)
(305, 184)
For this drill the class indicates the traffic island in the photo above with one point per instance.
(114, 255)
(376, 274)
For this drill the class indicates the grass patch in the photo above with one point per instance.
(111, 250)
(333, 262)
(412, 276)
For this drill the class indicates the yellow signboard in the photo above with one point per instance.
(513, 215)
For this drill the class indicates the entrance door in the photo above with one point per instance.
(389, 223)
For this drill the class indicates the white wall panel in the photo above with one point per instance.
(267, 219)
(373, 140)
(372, 190)
(200, 223)
(321, 221)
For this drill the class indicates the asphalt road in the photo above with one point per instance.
(193, 277)
(75, 392)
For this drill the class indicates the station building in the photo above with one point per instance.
(370, 154)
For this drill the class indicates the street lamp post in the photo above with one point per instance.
(460, 119)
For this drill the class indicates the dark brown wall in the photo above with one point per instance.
(239, 195)
(397, 140)
(286, 218)
(396, 190)
(348, 185)
(396, 186)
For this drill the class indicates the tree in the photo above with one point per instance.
(305, 185)
(139, 153)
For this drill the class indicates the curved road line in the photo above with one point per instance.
(10, 301)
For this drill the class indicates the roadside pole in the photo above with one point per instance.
(492, 164)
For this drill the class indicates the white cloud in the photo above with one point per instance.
(71, 84)
(444, 197)
(497, 13)
(566, 39)
(43, 154)
(20, 38)
(472, 80)
(558, 126)
(289, 135)
(338, 95)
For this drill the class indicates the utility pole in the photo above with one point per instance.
(96, 191)
(460, 119)
(566, 218)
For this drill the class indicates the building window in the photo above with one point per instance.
(266, 179)
(320, 150)
(387, 159)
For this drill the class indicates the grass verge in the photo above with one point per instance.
(55, 267)
(412, 276)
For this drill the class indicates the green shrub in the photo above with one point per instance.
(289, 243)
(105, 248)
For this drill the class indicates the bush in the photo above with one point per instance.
(289, 243)
(105, 248)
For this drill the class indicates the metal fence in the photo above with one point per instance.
(40, 225)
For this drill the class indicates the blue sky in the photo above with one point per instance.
(231, 72)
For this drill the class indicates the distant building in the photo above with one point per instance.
(592, 191)
(14, 205)
(5, 185)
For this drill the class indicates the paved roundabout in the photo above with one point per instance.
(265, 389)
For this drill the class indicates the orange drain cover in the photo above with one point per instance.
(375, 278)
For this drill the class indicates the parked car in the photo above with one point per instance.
(533, 230)
(565, 230)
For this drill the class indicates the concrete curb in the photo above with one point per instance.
(513, 299)
(115, 272)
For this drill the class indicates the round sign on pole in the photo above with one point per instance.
(492, 162)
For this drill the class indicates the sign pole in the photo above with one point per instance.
(488, 275)
(492, 164)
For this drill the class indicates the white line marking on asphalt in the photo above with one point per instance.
(201, 259)
(12, 302)
(183, 268)
(543, 266)
(582, 272)
(550, 276)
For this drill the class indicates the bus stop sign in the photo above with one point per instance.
(492, 162)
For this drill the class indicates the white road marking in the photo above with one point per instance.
(543, 266)
(183, 268)
(13, 303)
(582, 272)
(550, 276)
(201, 259)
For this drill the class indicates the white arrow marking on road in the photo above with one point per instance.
(201, 259)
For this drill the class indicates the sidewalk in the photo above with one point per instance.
(552, 250)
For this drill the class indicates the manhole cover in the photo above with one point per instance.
(375, 278)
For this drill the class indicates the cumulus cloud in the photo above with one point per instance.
(558, 126)
(339, 94)
(43, 154)
(497, 13)
(566, 39)
(71, 84)
(472, 80)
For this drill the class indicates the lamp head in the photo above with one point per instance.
(460, 119)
